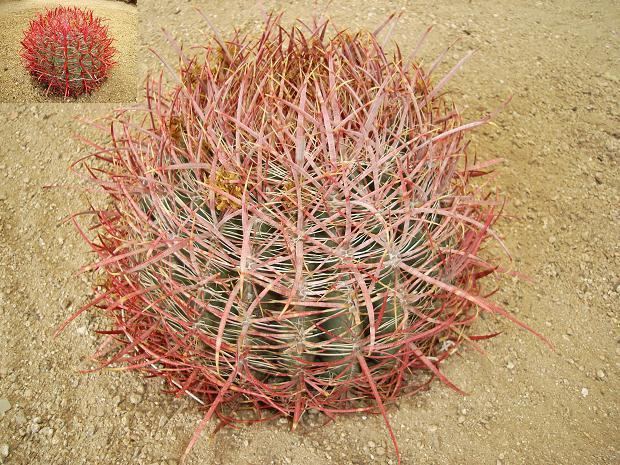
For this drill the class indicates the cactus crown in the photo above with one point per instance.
(292, 226)
(68, 50)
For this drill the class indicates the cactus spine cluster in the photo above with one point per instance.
(68, 51)
(292, 226)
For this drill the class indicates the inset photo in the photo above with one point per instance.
(68, 51)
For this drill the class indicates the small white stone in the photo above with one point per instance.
(82, 330)
(372, 444)
(5, 406)
(20, 418)
(4, 450)
(510, 365)
(584, 392)
(135, 398)
(600, 374)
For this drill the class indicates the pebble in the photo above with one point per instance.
(584, 392)
(510, 365)
(82, 330)
(135, 398)
(372, 444)
(380, 451)
(461, 419)
(5, 406)
(600, 374)
(4, 450)
(20, 418)
(610, 77)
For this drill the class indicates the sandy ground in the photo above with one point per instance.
(17, 86)
(526, 404)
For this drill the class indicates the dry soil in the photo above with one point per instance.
(527, 404)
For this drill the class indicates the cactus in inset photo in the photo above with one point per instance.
(68, 50)
(291, 225)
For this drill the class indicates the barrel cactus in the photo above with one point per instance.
(291, 226)
(68, 50)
